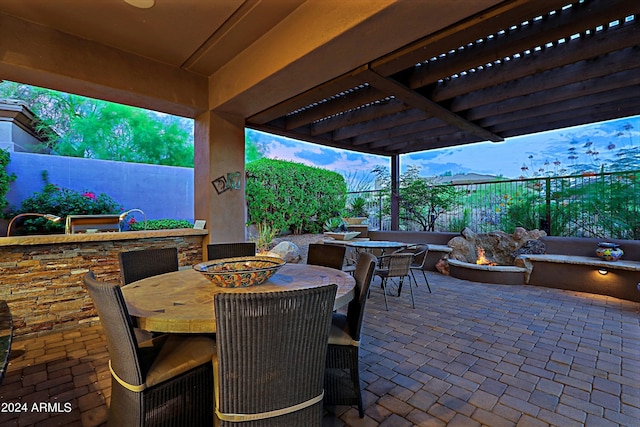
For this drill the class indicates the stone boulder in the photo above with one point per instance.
(288, 251)
(499, 247)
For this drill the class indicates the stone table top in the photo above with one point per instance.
(182, 301)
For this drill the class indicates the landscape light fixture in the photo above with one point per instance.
(50, 217)
(603, 271)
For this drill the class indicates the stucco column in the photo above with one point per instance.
(219, 150)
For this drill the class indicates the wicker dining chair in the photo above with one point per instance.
(271, 348)
(395, 265)
(167, 381)
(326, 255)
(230, 250)
(138, 265)
(342, 372)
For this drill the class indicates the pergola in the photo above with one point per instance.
(385, 77)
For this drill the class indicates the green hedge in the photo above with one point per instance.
(159, 224)
(293, 197)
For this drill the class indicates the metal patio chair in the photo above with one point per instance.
(395, 265)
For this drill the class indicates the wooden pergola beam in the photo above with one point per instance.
(351, 118)
(584, 116)
(549, 29)
(339, 84)
(380, 137)
(380, 125)
(520, 118)
(569, 91)
(513, 75)
(345, 145)
(416, 100)
(334, 106)
(470, 30)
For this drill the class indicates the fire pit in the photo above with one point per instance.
(489, 258)
(484, 273)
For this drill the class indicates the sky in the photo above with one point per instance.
(505, 158)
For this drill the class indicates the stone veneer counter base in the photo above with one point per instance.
(42, 275)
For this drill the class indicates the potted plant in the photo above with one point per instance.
(356, 213)
(336, 228)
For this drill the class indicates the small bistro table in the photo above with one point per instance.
(182, 301)
(378, 244)
(382, 245)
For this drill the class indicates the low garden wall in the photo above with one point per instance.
(571, 263)
(160, 191)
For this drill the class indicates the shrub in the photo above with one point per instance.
(159, 224)
(5, 178)
(62, 202)
(291, 196)
(263, 236)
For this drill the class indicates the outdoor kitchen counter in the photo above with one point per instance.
(42, 275)
(97, 237)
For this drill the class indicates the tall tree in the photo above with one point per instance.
(76, 126)
(422, 200)
(255, 147)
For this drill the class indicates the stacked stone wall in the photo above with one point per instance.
(43, 287)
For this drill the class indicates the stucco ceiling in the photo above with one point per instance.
(379, 76)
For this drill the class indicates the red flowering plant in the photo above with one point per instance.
(61, 202)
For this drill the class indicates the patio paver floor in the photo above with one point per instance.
(470, 354)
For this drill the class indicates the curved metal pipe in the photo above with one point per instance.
(123, 215)
(50, 217)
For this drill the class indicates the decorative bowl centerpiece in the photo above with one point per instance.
(240, 271)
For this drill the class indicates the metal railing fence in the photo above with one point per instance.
(586, 205)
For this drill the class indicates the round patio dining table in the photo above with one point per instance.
(182, 301)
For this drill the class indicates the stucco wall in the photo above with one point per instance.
(160, 191)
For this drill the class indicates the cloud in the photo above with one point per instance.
(504, 158)
(324, 157)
